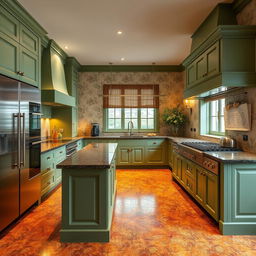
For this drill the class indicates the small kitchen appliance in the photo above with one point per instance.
(95, 130)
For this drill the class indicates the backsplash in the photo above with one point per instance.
(90, 92)
(246, 17)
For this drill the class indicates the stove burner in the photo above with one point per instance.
(208, 146)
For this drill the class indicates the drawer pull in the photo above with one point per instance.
(154, 142)
(61, 152)
(48, 169)
(48, 158)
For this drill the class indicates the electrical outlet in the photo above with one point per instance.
(194, 129)
(245, 137)
(191, 129)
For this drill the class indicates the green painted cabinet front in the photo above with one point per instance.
(124, 156)
(155, 155)
(19, 51)
(191, 74)
(170, 153)
(200, 185)
(138, 155)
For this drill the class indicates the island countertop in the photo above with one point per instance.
(94, 155)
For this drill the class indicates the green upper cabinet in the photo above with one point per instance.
(20, 49)
(222, 54)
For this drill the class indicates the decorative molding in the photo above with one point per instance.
(131, 68)
(238, 5)
(20, 13)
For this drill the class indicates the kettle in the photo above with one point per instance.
(227, 142)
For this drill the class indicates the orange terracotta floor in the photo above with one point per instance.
(152, 216)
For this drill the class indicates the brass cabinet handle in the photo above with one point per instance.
(22, 73)
(48, 158)
(48, 169)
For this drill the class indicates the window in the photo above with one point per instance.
(212, 117)
(125, 103)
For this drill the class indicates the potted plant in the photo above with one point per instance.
(174, 118)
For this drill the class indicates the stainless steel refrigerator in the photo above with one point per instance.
(19, 149)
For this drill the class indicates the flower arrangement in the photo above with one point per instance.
(174, 117)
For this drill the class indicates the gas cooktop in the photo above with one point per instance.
(208, 146)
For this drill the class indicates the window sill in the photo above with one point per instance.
(212, 136)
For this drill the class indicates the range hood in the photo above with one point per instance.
(222, 55)
(54, 88)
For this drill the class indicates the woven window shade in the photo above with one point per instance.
(131, 96)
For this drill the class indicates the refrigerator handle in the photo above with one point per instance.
(17, 164)
(24, 139)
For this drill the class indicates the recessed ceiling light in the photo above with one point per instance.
(122, 59)
(119, 32)
(66, 47)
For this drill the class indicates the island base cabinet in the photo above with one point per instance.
(88, 197)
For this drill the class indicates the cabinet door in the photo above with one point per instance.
(213, 60)
(174, 165)
(9, 56)
(29, 40)
(155, 155)
(29, 66)
(212, 194)
(191, 74)
(170, 154)
(74, 122)
(201, 70)
(200, 185)
(138, 155)
(124, 156)
(9, 24)
(183, 171)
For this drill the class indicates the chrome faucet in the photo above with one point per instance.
(130, 129)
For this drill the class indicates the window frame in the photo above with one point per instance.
(205, 119)
(105, 122)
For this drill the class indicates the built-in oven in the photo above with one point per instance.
(34, 139)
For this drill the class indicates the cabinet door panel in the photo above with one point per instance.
(29, 40)
(200, 186)
(9, 56)
(212, 195)
(191, 74)
(29, 65)
(183, 171)
(9, 24)
(212, 56)
(155, 155)
(123, 156)
(201, 70)
(138, 155)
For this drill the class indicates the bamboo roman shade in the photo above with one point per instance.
(130, 96)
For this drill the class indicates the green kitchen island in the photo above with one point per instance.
(88, 193)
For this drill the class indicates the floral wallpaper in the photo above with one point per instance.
(246, 17)
(90, 93)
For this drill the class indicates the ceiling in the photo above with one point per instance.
(153, 30)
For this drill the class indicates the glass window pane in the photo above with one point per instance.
(150, 123)
(222, 124)
(111, 124)
(151, 112)
(144, 124)
(118, 113)
(222, 106)
(144, 113)
(135, 123)
(214, 108)
(127, 112)
(118, 124)
(111, 112)
(214, 124)
(134, 113)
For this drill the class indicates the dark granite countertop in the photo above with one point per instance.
(94, 155)
(232, 157)
(48, 145)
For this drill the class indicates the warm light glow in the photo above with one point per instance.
(122, 59)
(188, 103)
(119, 32)
(66, 47)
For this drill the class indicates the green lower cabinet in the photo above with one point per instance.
(238, 200)
(155, 155)
(200, 183)
(124, 156)
(138, 155)
(170, 153)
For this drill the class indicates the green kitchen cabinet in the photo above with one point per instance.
(19, 51)
(138, 155)
(200, 184)
(46, 111)
(124, 156)
(170, 153)
(191, 74)
(155, 155)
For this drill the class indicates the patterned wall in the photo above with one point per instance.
(246, 17)
(171, 88)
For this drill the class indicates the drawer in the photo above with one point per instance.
(60, 154)
(190, 185)
(190, 171)
(156, 142)
(47, 181)
(47, 161)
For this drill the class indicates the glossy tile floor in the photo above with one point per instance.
(153, 216)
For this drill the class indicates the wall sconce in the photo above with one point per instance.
(188, 105)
